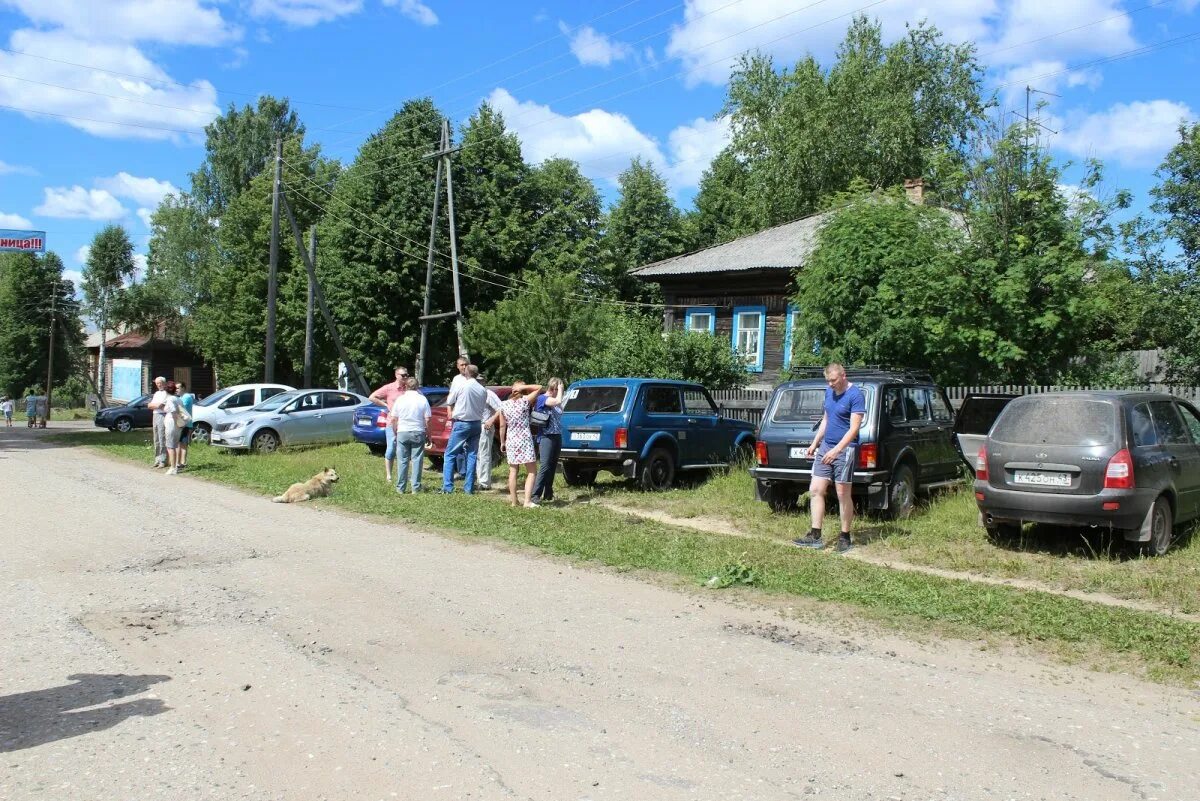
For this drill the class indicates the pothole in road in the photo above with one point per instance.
(186, 561)
(782, 636)
(137, 623)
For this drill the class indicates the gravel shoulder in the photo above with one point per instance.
(173, 638)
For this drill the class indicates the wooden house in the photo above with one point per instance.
(740, 291)
(133, 359)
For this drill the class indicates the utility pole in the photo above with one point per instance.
(54, 286)
(442, 154)
(273, 270)
(308, 317)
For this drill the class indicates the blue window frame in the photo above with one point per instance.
(749, 335)
(701, 318)
(789, 330)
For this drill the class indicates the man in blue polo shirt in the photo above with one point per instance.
(834, 451)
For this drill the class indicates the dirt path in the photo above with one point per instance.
(713, 524)
(169, 638)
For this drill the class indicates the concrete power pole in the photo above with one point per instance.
(308, 319)
(54, 286)
(273, 270)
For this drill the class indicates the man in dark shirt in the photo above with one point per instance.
(834, 451)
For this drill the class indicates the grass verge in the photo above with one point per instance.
(1102, 637)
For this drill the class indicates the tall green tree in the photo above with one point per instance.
(371, 265)
(109, 268)
(239, 145)
(491, 206)
(27, 284)
(881, 113)
(566, 226)
(643, 226)
(721, 205)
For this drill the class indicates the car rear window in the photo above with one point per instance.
(595, 399)
(216, 397)
(977, 414)
(807, 404)
(1057, 421)
(436, 398)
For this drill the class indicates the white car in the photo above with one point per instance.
(223, 404)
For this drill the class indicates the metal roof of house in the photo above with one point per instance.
(784, 247)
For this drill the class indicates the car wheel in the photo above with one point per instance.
(437, 463)
(1001, 533)
(657, 473)
(902, 493)
(782, 498)
(576, 476)
(378, 450)
(200, 434)
(1159, 522)
(124, 424)
(743, 456)
(265, 442)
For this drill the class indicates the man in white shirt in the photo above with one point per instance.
(467, 407)
(409, 422)
(461, 365)
(483, 457)
(158, 404)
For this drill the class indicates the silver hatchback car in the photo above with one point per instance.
(299, 417)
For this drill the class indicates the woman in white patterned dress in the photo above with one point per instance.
(516, 440)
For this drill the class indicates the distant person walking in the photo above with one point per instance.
(834, 451)
(8, 407)
(483, 457)
(31, 405)
(43, 410)
(385, 396)
(188, 401)
(157, 401)
(467, 404)
(409, 422)
(549, 440)
(172, 427)
(516, 439)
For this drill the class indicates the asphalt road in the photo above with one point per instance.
(167, 638)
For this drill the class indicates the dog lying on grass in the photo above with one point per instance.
(318, 486)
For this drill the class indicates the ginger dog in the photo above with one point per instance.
(318, 486)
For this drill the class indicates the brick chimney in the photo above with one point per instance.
(914, 190)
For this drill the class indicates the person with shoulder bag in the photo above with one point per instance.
(547, 415)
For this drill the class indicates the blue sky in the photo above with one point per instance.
(125, 84)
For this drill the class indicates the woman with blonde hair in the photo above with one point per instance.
(549, 443)
(516, 438)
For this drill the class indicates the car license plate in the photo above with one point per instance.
(364, 421)
(1042, 478)
(585, 436)
(798, 453)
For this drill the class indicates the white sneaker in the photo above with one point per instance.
(171, 471)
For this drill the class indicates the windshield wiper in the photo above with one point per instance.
(607, 408)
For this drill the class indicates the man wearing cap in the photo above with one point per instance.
(158, 403)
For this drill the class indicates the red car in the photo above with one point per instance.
(371, 420)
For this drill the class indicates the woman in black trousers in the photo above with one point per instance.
(549, 441)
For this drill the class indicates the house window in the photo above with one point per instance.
(789, 334)
(749, 331)
(701, 318)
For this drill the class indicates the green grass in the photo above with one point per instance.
(80, 413)
(1104, 637)
(945, 533)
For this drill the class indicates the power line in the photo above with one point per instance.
(101, 122)
(1137, 51)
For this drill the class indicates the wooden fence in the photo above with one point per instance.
(749, 404)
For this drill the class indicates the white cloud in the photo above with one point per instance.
(415, 10)
(144, 191)
(180, 107)
(75, 277)
(1045, 76)
(14, 221)
(712, 36)
(167, 21)
(79, 203)
(16, 169)
(304, 13)
(139, 267)
(593, 48)
(145, 216)
(1024, 26)
(604, 142)
(693, 147)
(81, 255)
(1136, 134)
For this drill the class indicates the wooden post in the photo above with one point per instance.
(273, 269)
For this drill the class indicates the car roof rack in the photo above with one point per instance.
(909, 373)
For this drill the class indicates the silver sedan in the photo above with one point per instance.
(299, 417)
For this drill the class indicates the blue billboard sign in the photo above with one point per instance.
(22, 241)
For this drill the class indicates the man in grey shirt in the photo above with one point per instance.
(468, 405)
(157, 403)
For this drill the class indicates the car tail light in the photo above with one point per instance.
(868, 456)
(760, 451)
(382, 420)
(1119, 473)
(621, 440)
(981, 471)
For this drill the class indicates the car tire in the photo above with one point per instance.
(1160, 524)
(577, 476)
(200, 434)
(657, 472)
(378, 450)
(437, 462)
(1003, 533)
(265, 441)
(123, 424)
(902, 492)
(783, 499)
